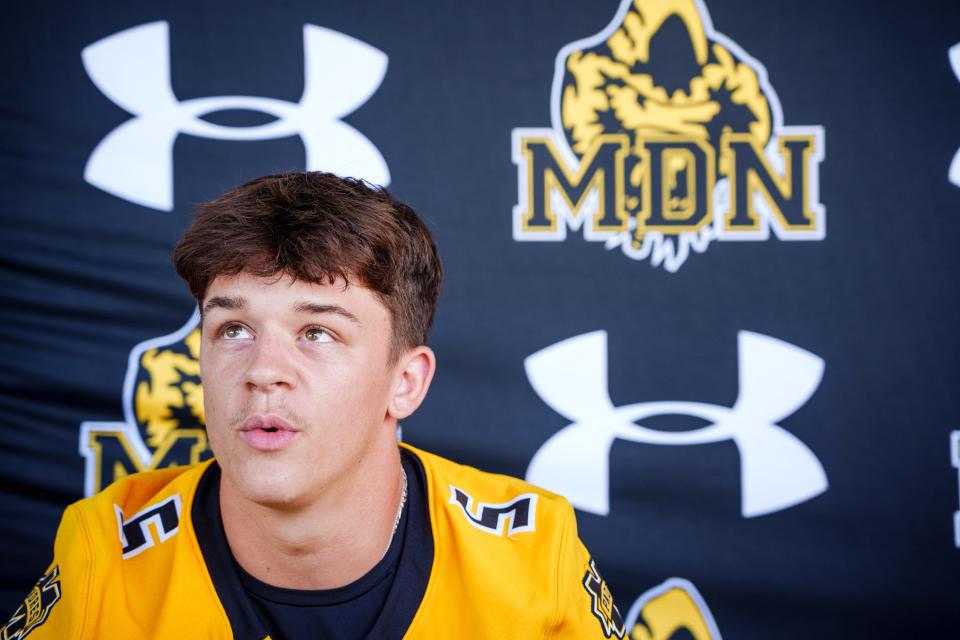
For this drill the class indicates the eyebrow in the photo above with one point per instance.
(317, 308)
(224, 302)
(234, 303)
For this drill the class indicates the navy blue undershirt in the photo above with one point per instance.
(346, 613)
(386, 597)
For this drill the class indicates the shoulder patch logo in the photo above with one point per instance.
(516, 516)
(602, 600)
(135, 533)
(36, 607)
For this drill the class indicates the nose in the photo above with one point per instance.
(271, 367)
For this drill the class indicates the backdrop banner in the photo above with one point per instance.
(701, 271)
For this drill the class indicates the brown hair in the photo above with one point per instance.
(319, 228)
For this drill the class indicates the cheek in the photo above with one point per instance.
(374, 401)
(355, 395)
(214, 391)
(217, 417)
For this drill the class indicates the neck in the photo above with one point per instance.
(329, 541)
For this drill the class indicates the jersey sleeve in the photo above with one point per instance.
(585, 606)
(57, 605)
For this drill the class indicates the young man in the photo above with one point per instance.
(317, 294)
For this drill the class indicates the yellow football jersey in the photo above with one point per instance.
(506, 563)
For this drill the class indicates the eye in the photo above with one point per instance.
(234, 332)
(317, 334)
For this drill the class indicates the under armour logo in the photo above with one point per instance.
(954, 174)
(135, 533)
(776, 378)
(135, 160)
(517, 515)
(955, 459)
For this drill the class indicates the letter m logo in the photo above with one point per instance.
(516, 516)
(135, 534)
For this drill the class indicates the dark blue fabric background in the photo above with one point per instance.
(85, 276)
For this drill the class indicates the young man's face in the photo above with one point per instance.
(297, 383)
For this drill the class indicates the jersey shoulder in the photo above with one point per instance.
(122, 557)
(120, 513)
(491, 502)
(507, 560)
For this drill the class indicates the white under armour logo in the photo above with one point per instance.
(135, 160)
(955, 459)
(954, 55)
(776, 378)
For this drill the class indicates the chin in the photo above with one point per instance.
(268, 485)
(275, 497)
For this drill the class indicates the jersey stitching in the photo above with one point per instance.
(561, 548)
(90, 574)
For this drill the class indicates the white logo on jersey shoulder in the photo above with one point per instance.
(516, 516)
(135, 160)
(776, 378)
(135, 535)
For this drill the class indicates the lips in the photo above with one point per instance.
(267, 433)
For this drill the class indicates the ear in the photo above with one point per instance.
(414, 373)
